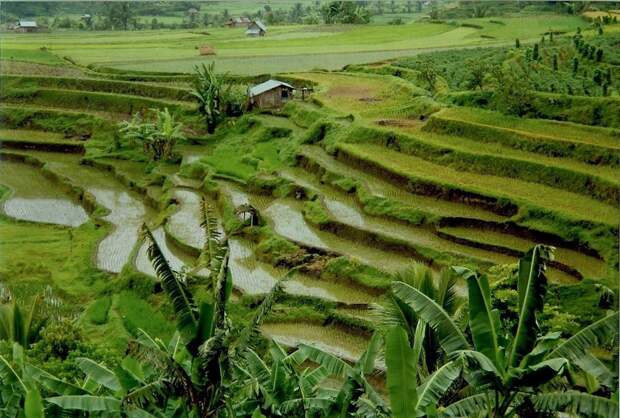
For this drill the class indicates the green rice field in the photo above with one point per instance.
(445, 190)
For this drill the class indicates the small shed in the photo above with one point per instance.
(256, 28)
(238, 22)
(26, 26)
(270, 94)
(206, 50)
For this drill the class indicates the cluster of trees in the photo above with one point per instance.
(125, 15)
(443, 357)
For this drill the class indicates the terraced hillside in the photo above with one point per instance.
(352, 187)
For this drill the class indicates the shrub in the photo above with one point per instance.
(97, 312)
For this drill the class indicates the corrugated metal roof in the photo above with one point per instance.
(27, 24)
(266, 86)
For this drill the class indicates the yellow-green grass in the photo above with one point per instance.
(553, 200)
(32, 68)
(364, 95)
(589, 266)
(86, 100)
(31, 135)
(39, 255)
(604, 137)
(29, 54)
(376, 187)
(151, 90)
(464, 144)
(293, 48)
(59, 110)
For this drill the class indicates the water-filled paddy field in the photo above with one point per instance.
(36, 198)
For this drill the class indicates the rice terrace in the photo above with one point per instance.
(323, 208)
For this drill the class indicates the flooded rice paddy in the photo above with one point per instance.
(344, 208)
(185, 222)
(287, 220)
(126, 214)
(36, 198)
(331, 339)
(251, 276)
(176, 258)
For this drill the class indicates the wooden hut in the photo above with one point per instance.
(256, 28)
(206, 50)
(238, 22)
(26, 26)
(270, 94)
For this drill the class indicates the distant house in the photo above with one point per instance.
(270, 94)
(256, 28)
(26, 26)
(238, 22)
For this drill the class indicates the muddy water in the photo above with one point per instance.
(184, 224)
(36, 198)
(382, 188)
(331, 339)
(590, 267)
(191, 153)
(126, 210)
(255, 277)
(243, 260)
(176, 258)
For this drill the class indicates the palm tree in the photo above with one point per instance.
(393, 312)
(508, 370)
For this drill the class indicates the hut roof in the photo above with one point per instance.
(27, 24)
(266, 86)
(260, 24)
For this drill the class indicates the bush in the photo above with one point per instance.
(97, 312)
(137, 313)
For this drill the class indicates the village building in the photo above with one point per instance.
(270, 94)
(256, 28)
(26, 26)
(238, 22)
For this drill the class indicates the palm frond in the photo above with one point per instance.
(599, 333)
(87, 403)
(211, 250)
(577, 403)
(177, 291)
(450, 336)
(472, 406)
(437, 385)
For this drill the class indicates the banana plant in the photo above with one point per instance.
(124, 392)
(506, 369)
(393, 312)
(20, 395)
(208, 91)
(356, 394)
(407, 398)
(282, 389)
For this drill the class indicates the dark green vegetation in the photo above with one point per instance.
(299, 261)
